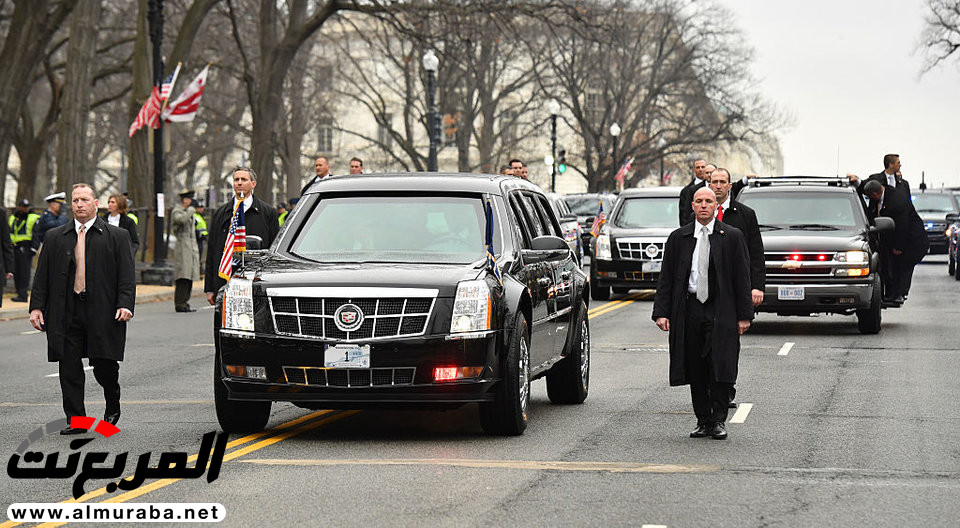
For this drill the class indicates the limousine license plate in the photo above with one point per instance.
(651, 267)
(346, 356)
(790, 293)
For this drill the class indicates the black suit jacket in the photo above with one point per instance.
(745, 219)
(127, 223)
(729, 285)
(111, 284)
(902, 186)
(909, 235)
(260, 220)
(686, 198)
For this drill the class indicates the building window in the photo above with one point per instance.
(384, 136)
(325, 135)
(593, 105)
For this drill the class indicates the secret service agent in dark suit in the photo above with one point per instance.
(686, 194)
(6, 252)
(703, 300)
(890, 176)
(260, 219)
(903, 249)
(83, 296)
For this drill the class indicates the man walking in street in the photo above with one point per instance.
(703, 299)
(260, 217)
(83, 295)
(732, 212)
(186, 266)
(21, 225)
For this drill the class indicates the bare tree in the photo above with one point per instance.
(940, 38)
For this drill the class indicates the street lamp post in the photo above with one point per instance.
(431, 63)
(615, 132)
(554, 107)
(660, 143)
(155, 20)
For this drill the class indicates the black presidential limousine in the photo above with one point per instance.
(379, 292)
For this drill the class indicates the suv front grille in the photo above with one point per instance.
(383, 318)
(636, 249)
(326, 377)
(802, 265)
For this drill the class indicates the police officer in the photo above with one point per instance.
(282, 212)
(21, 224)
(6, 251)
(186, 265)
(54, 216)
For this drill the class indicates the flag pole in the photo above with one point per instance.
(173, 82)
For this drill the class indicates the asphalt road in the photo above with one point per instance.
(835, 428)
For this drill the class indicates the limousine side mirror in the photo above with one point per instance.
(882, 223)
(254, 242)
(548, 243)
(953, 217)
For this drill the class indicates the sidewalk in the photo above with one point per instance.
(145, 293)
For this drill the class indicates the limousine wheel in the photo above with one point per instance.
(237, 416)
(569, 380)
(507, 414)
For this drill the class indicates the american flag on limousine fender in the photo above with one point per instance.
(236, 241)
(598, 221)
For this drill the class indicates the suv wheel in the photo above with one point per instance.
(237, 416)
(569, 380)
(597, 292)
(507, 413)
(868, 320)
(951, 265)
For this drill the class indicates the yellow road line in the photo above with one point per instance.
(192, 458)
(548, 465)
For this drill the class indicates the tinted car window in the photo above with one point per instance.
(647, 212)
(786, 209)
(523, 219)
(536, 224)
(442, 229)
(933, 203)
(587, 205)
(543, 209)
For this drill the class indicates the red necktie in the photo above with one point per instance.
(720, 213)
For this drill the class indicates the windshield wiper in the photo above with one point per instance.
(770, 227)
(815, 227)
(932, 211)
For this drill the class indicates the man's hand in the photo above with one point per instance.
(853, 178)
(663, 323)
(742, 326)
(123, 315)
(9, 275)
(757, 297)
(36, 319)
(211, 298)
(897, 251)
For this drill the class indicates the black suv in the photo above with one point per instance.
(933, 207)
(629, 250)
(820, 248)
(423, 290)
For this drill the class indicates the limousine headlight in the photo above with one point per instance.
(603, 247)
(238, 305)
(472, 307)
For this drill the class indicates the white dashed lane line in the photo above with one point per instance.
(57, 374)
(742, 411)
(785, 349)
(30, 332)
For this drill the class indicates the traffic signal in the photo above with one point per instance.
(562, 160)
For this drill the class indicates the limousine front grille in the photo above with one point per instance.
(381, 318)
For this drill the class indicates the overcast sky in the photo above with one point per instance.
(849, 72)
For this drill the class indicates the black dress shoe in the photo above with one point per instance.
(702, 431)
(185, 309)
(718, 431)
(19, 299)
(732, 404)
(112, 419)
(72, 431)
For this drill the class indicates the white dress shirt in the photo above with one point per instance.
(114, 220)
(88, 223)
(697, 233)
(891, 179)
(247, 202)
(726, 207)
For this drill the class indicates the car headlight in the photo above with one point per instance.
(238, 305)
(603, 247)
(472, 307)
(853, 257)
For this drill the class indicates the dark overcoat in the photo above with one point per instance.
(111, 284)
(745, 219)
(909, 235)
(6, 248)
(729, 288)
(260, 219)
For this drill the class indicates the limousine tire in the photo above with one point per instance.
(237, 416)
(507, 413)
(569, 380)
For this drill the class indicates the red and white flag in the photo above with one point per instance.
(184, 108)
(624, 169)
(149, 113)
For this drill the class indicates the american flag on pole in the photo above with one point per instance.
(624, 169)
(598, 221)
(149, 114)
(184, 108)
(236, 242)
(488, 243)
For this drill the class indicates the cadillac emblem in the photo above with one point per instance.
(651, 250)
(348, 317)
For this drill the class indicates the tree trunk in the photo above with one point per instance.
(72, 127)
(139, 175)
